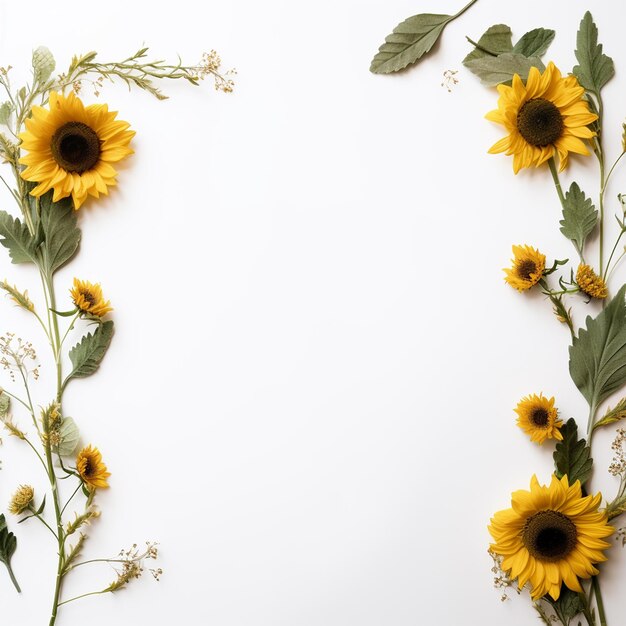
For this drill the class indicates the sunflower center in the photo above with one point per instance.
(549, 535)
(526, 268)
(88, 297)
(88, 469)
(75, 147)
(539, 417)
(540, 122)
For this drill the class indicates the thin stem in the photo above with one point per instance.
(70, 498)
(30, 401)
(84, 595)
(608, 263)
(37, 453)
(467, 6)
(606, 181)
(12, 395)
(69, 328)
(43, 521)
(13, 579)
(599, 602)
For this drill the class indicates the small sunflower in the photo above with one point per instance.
(552, 535)
(21, 499)
(91, 468)
(71, 148)
(88, 298)
(537, 417)
(528, 267)
(590, 283)
(545, 116)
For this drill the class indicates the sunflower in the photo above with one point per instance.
(528, 267)
(590, 283)
(545, 116)
(88, 298)
(21, 499)
(92, 470)
(538, 418)
(71, 148)
(552, 535)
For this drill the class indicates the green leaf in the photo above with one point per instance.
(8, 545)
(6, 108)
(597, 357)
(579, 216)
(409, 42)
(17, 239)
(89, 352)
(572, 456)
(495, 70)
(497, 39)
(60, 232)
(595, 68)
(43, 64)
(612, 415)
(568, 606)
(5, 404)
(69, 436)
(535, 43)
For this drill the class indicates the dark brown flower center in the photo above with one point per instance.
(75, 147)
(526, 268)
(88, 468)
(540, 122)
(88, 297)
(549, 536)
(539, 417)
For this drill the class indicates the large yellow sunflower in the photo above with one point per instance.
(547, 115)
(91, 468)
(528, 268)
(71, 148)
(537, 417)
(552, 535)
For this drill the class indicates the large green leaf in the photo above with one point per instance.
(409, 42)
(534, 43)
(497, 39)
(89, 352)
(69, 436)
(17, 239)
(597, 357)
(579, 216)
(567, 607)
(572, 456)
(495, 70)
(594, 68)
(8, 545)
(59, 228)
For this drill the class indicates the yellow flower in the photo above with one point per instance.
(545, 116)
(21, 499)
(590, 283)
(88, 298)
(538, 418)
(71, 148)
(528, 267)
(552, 535)
(91, 468)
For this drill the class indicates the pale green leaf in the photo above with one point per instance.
(6, 108)
(5, 405)
(594, 68)
(17, 239)
(495, 70)
(409, 42)
(497, 39)
(535, 43)
(89, 352)
(579, 216)
(597, 362)
(59, 230)
(69, 436)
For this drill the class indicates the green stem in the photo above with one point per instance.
(608, 263)
(43, 521)
(84, 595)
(13, 579)
(465, 8)
(599, 602)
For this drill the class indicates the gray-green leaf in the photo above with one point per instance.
(572, 456)
(5, 405)
(495, 70)
(597, 357)
(6, 108)
(535, 42)
(594, 68)
(497, 39)
(59, 227)
(89, 352)
(17, 239)
(69, 436)
(579, 217)
(409, 42)
(8, 545)
(568, 606)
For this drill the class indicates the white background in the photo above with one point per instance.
(309, 397)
